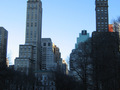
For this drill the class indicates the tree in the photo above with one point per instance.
(82, 63)
(12, 80)
(116, 25)
(66, 82)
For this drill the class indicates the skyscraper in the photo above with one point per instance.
(3, 47)
(30, 52)
(102, 15)
(83, 36)
(33, 22)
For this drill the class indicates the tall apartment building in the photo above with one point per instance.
(30, 52)
(3, 47)
(104, 46)
(83, 36)
(48, 61)
(101, 15)
(51, 56)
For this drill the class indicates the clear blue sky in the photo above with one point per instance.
(62, 21)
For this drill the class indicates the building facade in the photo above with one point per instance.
(46, 80)
(3, 47)
(51, 56)
(30, 52)
(48, 61)
(105, 47)
(57, 57)
(83, 36)
(101, 15)
(64, 67)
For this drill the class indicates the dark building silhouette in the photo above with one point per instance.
(3, 47)
(105, 49)
(101, 15)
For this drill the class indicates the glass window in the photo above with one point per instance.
(35, 16)
(48, 44)
(27, 16)
(35, 24)
(31, 24)
(44, 44)
(27, 24)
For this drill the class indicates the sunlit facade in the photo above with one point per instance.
(64, 67)
(111, 28)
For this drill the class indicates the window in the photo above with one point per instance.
(32, 16)
(102, 22)
(35, 16)
(48, 44)
(31, 24)
(105, 17)
(98, 22)
(105, 22)
(35, 24)
(31, 33)
(98, 10)
(27, 24)
(28, 16)
(35, 34)
(28, 6)
(27, 36)
(44, 44)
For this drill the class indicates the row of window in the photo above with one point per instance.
(25, 49)
(31, 39)
(31, 36)
(28, 16)
(32, 24)
(102, 8)
(99, 30)
(102, 0)
(32, 6)
(106, 25)
(45, 44)
(102, 4)
(105, 12)
(102, 17)
(102, 22)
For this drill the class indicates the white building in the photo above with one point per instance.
(48, 61)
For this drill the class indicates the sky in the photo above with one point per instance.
(62, 21)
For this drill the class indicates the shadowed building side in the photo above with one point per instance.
(3, 47)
